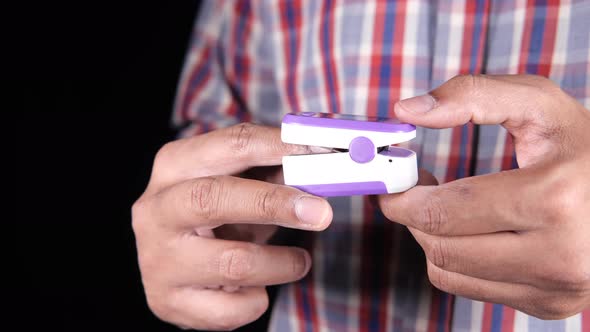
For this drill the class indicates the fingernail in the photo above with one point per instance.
(418, 104)
(302, 262)
(311, 210)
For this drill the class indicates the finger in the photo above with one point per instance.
(515, 101)
(425, 178)
(212, 201)
(213, 310)
(475, 288)
(225, 151)
(525, 298)
(475, 205)
(532, 109)
(505, 257)
(496, 257)
(204, 262)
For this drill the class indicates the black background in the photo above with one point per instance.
(95, 85)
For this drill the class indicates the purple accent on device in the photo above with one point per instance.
(396, 152)
(380, 125)
(345, 189)
(361, 150)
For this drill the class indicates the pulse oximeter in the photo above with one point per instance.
(362, 161)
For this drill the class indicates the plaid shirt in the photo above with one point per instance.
(257, 60)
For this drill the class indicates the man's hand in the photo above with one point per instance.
(192, 277)
(519, 237)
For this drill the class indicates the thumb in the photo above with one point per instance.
(425, 178)
(516, 102)
(531, 108)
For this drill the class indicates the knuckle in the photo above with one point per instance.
(204, 197)
(433, 216)
(471, 83)
(438, 253)
(268, 203)
(237, 264)
(241, 136)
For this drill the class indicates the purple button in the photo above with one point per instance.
(307, 113)
(361, 150)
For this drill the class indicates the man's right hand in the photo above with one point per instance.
(193, 279)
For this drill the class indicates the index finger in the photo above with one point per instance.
(474, 205)
(223, 152)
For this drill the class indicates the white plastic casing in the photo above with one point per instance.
(398, 175)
